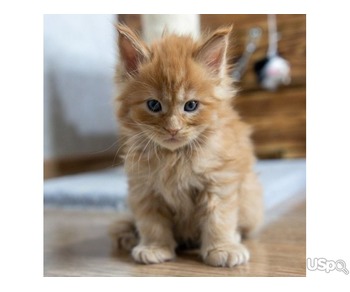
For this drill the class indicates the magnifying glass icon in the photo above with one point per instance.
(340, 266)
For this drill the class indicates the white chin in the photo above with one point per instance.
(172, 145)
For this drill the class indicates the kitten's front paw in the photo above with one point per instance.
(152, 254)
(227, 256)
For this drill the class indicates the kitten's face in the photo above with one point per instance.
(170, 99)
(173, 126)
(172, 118)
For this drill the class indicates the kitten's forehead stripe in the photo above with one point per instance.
(180, 95)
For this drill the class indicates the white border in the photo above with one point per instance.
(21, 130)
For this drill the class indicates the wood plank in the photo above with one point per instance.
(278, 120)
(71, 165)
(285, 137)
(270, 104)
(281, 150)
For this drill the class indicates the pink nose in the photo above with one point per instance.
(172, 131)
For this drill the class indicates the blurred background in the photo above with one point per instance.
(80, 132)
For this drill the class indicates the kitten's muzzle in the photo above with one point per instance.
(172, 131)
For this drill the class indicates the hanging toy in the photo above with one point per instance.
(273, 70)
(242, 64)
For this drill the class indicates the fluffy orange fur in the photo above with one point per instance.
(190, 172)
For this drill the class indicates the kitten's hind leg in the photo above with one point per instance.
(251, 210)
(123, 233)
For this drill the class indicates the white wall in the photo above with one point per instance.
(79, 60)
(153, 25)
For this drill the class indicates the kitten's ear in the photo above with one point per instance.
(213, 50)
(133, 51)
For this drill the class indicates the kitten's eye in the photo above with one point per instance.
(154, 105)
(191, 106)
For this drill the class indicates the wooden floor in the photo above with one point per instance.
(76, 243)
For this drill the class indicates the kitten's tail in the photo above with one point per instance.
(123, 233)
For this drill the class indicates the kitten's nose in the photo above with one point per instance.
(172, 131)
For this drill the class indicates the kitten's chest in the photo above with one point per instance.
(177, 182)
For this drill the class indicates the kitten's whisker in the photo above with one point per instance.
(189, 150)
(148, 162)
(118, 149)
(155, 146)
(152, 147)
(197, 144)
(130, 151)
(127, 139)
(143, 150)
(106, 149)
(133, 147)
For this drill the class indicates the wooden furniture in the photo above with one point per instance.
(278, 118)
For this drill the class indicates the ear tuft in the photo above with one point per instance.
(133, 51)
(212, 52)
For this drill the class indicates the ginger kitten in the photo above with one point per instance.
(188, 156)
